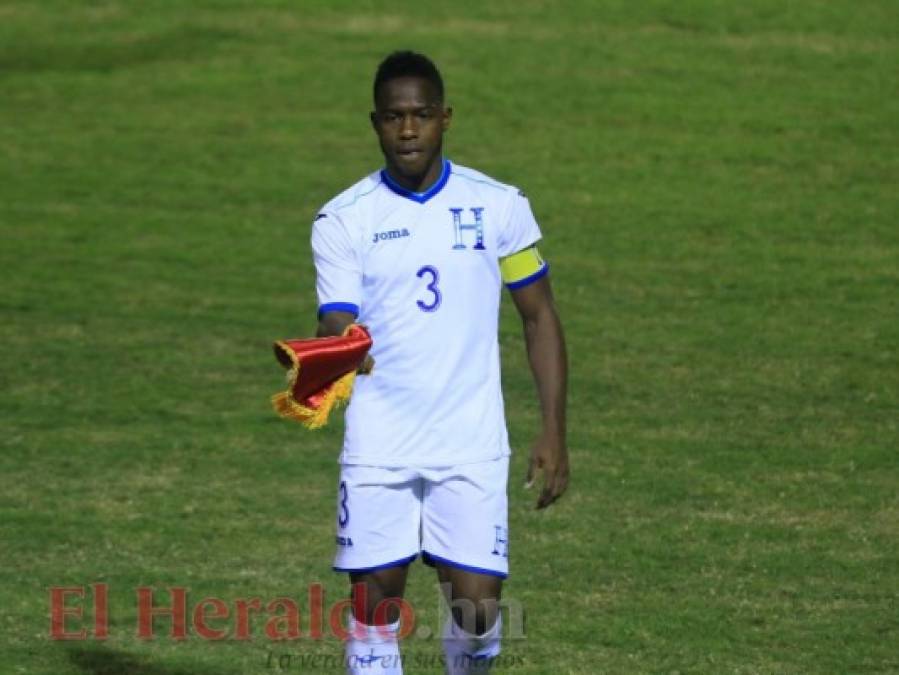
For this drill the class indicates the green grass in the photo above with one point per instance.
(717, 186)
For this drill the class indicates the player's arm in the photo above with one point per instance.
(338, 278)
(334, 323)
(545, 343)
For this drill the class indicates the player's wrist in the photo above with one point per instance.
(554, 431)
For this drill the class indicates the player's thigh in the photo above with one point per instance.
(465, 519)
(381, 584)
(378, 519)
(459, 584)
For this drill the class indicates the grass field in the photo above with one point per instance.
(717, 184)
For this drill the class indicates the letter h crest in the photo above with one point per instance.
(477, 227)
(501, 544)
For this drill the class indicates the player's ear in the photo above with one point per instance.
(447, 117)
(373, 117)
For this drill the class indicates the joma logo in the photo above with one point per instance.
(390, 234)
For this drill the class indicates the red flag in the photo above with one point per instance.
(321, 374)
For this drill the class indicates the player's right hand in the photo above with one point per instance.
(368, 364)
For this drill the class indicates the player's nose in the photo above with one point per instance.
(408, 129)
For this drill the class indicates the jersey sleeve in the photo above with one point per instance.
(338, 272)
(520, 230)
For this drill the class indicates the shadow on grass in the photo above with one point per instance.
(103, 661)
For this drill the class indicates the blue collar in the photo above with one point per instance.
(420, 197)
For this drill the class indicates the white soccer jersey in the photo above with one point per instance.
(421, 271)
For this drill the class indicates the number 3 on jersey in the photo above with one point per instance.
(343, 515)
(431, 303)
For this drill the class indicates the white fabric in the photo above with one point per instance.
(430, 299)
(372, 650)
(455, 515)
(467, 654)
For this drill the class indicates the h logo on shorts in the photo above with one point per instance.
(501, 543)
(477, 227)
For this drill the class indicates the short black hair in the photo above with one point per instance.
(407, 63)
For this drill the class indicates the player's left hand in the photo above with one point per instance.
(551, 456)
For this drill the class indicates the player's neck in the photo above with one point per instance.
(421, 183)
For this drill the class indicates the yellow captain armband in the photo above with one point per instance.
(522, 268)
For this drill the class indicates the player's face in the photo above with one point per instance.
(409, 119)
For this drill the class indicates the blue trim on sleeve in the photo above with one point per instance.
(338, 307)
(394, 563)
(521, 283)
(432, 560)
(420, 197)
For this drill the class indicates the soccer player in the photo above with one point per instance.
(418, 252)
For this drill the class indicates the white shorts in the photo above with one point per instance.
(456, 515)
